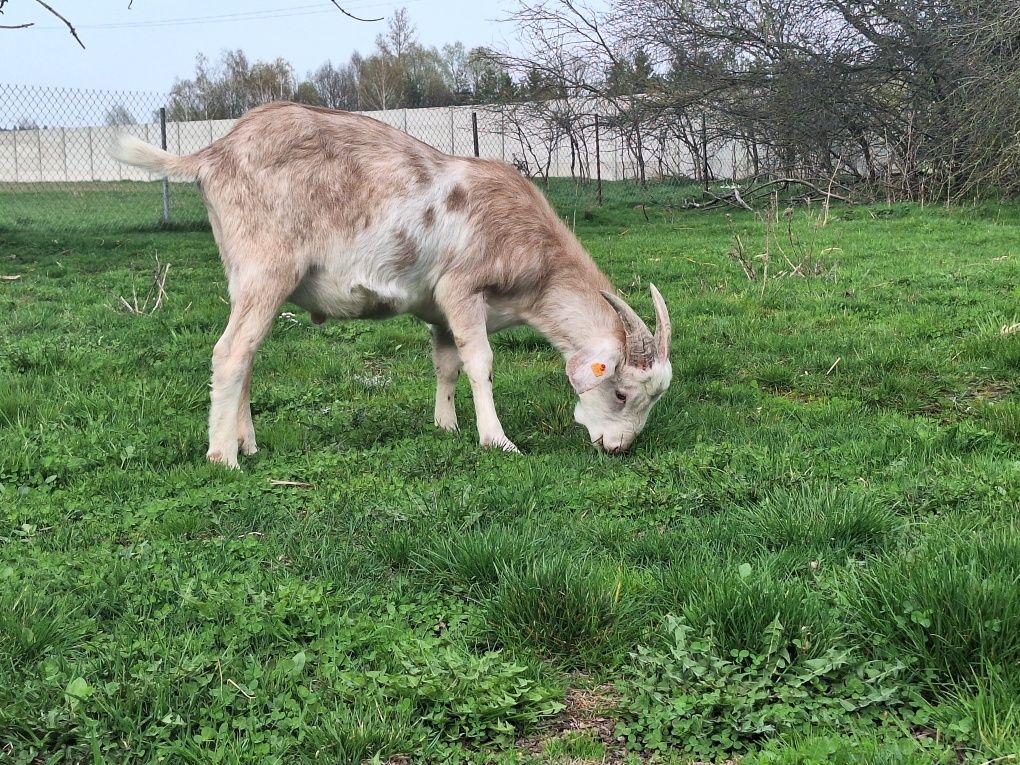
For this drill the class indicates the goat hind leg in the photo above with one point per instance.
(253, 307)
(447, 363)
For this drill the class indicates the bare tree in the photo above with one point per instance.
(337, 87)
(911, 98)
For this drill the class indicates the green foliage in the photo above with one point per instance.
(575, 746)
(705, 701)
(461, 696)
(822, 516)
(856, 749)
(410, 592)
(478, 558)
(743, 603)
(985, 712)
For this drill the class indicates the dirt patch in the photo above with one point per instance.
(991, 390)
(587, 711)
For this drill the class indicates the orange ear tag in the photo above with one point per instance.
(598, 369)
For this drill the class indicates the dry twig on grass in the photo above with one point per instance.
(745, 198)
(155, 294)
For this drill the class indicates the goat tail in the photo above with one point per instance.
(134, 151)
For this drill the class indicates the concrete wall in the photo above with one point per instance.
(71, 154)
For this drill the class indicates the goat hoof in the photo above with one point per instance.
(218, 458)
(248, 448)
(504, 443)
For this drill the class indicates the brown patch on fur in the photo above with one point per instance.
(429, 217)
(406, 254)
(522, 244)
(524, 256)
(457, 199)
(421, 168)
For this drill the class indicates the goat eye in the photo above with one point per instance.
(621, 397)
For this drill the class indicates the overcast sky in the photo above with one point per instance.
(146, 47)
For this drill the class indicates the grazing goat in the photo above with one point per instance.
(349, 218)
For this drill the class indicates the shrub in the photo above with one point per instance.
(706, 701)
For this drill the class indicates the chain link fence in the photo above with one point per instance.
(56, 172)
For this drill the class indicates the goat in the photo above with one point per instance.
(349, 218)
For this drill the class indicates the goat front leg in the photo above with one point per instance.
(466, 317)
(446, 360)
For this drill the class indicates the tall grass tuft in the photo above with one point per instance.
(582, 615)
(821, 515)
(985, 713)
(953, 604)
(30, 627)
(477, 558)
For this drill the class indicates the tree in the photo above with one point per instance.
(119, 115)
(400, 35)
(307, 94)
(231, 88)
(426, 78)
(920, 96)
(403, 73)
(380, 82)
(456, 62)
(337, 87)
(489, 81)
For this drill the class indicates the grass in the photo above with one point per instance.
(826, 499)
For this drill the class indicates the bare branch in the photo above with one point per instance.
(74, 33)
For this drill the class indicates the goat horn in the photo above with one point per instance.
(663, 327)
(639, 344)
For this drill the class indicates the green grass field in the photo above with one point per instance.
(811, 555)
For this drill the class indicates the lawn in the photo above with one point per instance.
(810, 556)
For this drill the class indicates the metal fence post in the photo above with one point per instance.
(598, 164)
(453, 147)
(474, 130)
(704, 152)
(166, 182)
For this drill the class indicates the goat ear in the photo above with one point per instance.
(589, 369)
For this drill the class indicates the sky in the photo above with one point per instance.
(147, 47)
